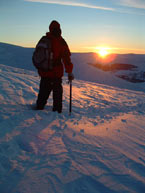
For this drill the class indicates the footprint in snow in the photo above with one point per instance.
(124, 120)
(74, 134)
(82, 131)
(95, 123)
(75, 123)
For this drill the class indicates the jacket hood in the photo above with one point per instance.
(54, 25)
(55, 29)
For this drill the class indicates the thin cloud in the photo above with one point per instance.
(72, 3)
(140, 4)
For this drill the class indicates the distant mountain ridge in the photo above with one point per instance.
(21, 57)
(16, 56)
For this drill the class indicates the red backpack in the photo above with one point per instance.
(43, 56)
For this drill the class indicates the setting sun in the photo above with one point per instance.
(103, 52)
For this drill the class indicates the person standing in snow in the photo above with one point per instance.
(52, 80)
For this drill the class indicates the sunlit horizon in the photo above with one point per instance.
(93, 49)
(85, 24)
(103, 52)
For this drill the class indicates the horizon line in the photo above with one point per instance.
(129, 52)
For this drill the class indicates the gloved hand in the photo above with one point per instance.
(70, 76)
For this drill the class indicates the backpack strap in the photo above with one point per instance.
(45, 42)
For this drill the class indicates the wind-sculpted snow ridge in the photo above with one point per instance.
(100, 148)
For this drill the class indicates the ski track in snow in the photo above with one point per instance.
(100, 148)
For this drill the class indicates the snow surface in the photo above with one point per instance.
(100, 148)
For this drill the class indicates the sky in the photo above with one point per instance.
(87, 25)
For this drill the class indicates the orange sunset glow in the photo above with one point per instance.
(103, 52)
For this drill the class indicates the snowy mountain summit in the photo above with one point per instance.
(100, 148)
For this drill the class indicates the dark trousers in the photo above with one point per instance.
(46, 86)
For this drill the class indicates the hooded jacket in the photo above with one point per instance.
(61, 53)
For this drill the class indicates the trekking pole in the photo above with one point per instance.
(70, 101)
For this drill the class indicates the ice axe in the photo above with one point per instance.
(70, 99)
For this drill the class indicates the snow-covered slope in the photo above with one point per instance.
(100, 148)
(84, 71)
(16, 56)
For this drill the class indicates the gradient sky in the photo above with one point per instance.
(86, 24)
